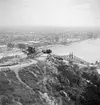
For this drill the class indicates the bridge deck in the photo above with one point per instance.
(73, 58)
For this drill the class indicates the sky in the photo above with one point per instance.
(69, 13)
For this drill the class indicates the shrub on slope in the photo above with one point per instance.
(51, 82)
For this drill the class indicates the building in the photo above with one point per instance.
(3, 48)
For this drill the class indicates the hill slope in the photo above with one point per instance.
(49, 82)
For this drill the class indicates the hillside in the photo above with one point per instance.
(49, 82)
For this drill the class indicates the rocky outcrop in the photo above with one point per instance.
(50, 82)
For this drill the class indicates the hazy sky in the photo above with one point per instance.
(50, 13)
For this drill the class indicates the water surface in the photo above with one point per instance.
(88, 50)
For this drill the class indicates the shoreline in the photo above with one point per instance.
(49, 46)
(79, 41)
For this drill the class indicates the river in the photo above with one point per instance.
(88, 50)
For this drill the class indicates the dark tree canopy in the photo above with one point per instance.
(31, 50)
(47, 51)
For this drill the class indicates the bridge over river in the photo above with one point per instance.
(72, 58)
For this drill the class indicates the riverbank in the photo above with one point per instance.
(67, 44)
(89, 50)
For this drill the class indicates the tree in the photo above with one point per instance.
(31, 50)
(47, 51)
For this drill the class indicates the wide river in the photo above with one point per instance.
(88, 50)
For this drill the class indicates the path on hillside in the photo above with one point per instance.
(17, 68)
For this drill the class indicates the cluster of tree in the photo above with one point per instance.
(47, 51)
(82, 87)
(31, 50)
